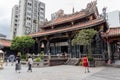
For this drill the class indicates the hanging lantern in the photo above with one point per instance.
(42, 45)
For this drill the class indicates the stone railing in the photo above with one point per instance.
(35, 64)
(55, 56)
(51, 60)
(73, 61)
(95, 56)
(98, 60)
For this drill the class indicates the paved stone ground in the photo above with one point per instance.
(63, 72)
(109, 73)
(117, 62)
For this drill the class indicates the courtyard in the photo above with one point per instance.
(62, 72)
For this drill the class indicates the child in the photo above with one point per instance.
(85, 63)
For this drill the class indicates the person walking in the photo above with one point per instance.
(6, 60)
(18, 64)
(12, 58)
(30, 62)
(85, 63)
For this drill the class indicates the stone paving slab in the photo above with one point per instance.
(109, 73)
(63, 72)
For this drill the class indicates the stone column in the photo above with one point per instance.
(48, 49)
(39, 46)
(54, 49)
(48, 46)
(45, 48)
(69, 47)
(109, 53)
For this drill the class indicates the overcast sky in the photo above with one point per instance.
(51, 7)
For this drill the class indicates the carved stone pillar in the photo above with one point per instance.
(109, 53)
(45, 48)
(69, 46)
(39, 46)
(54, 49)
(48, 46)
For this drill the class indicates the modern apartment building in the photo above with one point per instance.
(31, 15)
(14, 21)
(57, 14)
(113, 18)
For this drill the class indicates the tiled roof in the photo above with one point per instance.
(75, 27)
(66, 18)
(5, 43)
(112, 32)
(91, 8)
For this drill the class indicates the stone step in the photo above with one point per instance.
(72, 61)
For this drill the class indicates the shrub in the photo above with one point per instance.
(90, 58)
(23, 59)
(23, 56)
(19, 54)
(37, 59)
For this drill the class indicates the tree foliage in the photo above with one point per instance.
(84, 37)
(22, 43)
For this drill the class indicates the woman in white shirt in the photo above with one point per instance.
(30, 62)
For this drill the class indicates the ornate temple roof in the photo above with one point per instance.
(111, 32)
(65, 18)
(71, 28)
(5, 42)
(90, 9)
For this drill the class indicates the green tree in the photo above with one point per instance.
(22, 43)
(84, 37)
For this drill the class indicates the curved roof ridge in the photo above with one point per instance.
(115, 27)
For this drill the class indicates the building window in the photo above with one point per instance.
(42, 5)
(14, 33)
(15, 29)
(28, 18)
(35, 3)
(29, 4)
(15, 20)
(27, 30)
(15, 24)
(41, 16)
(42, 9)
(42, 13)
(16, 16)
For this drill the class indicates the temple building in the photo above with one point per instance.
(56, 35)
(5, 45)
(112, 38)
